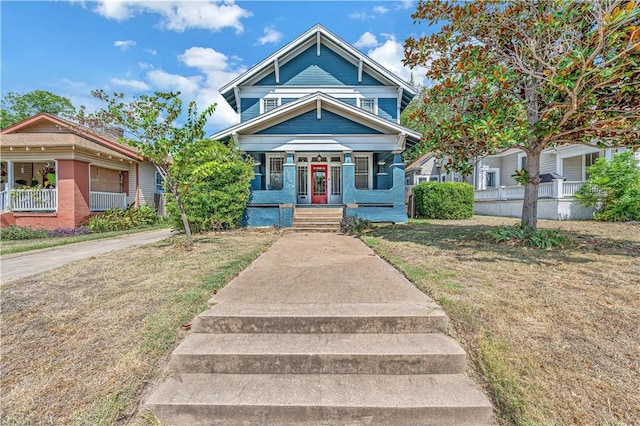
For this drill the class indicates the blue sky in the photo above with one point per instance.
(195, 47)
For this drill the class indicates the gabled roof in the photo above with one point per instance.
(318, 34)
(321, 101)
(70, 127)
(419, 162)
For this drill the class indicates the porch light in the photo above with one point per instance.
(319, 158)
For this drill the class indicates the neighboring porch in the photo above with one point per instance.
(367, 185)
(54, 193)
(556, 201)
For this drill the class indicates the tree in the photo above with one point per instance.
(149, 125)
(214, 182)
(16, 107)
(530, 75)
(614, 186)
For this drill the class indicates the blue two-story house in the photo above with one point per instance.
(322, 122)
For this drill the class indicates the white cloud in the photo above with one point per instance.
(133, 84)
(390, 55)
(153, 52)
(380, 9)
(145, 65)
(366, 40)
(124, 44)
(217, 69)
(271, 35)
(163, 80)
(360, 16)
(405, 4)
(179, 16)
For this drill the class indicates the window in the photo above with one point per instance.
(491, 179)
(368, 104)
(159, 184)
(362, 171)
(423, 179)
(275, 172)
(522, 161)
(336, 181)
(302, 181)
(589, 160)
(268, 104)
(433, 179)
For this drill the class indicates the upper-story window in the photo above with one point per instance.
(368, 104)
(268, 104)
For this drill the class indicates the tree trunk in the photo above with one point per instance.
(530, 202)
(183, 216)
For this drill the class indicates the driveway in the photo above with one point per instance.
(20, 265)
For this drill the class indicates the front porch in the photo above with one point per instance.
(556, 201)
(372, 191)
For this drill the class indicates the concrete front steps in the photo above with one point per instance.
(317, 219)
(333, 364)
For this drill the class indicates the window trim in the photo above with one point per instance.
(161, 183)
(521, 156)
(369, 157)
(263, 106)
(268, 170)
(497, 179)
(374, 106)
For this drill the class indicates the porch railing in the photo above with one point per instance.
(32, 200)
(5, 201)
(103, 201)
(555, 189)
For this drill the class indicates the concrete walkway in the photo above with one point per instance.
(20, 265)
(320, 330)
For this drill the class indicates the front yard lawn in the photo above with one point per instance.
(553, 335)
(80, 344)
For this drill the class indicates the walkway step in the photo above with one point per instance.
(318, 354)
(319, 318)
(312, 399)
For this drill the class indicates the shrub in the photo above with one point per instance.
(117, 219)
(69, 232)
(214, 186)
(614, 186)
(447, 200)
(354, 225)
(13, 232)
(521, 234)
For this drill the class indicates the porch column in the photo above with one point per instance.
(73, 192)
(289, 180)
(558, 190)
(10, 177)
(348, 180)
(397, 171)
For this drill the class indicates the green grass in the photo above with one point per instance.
(20, 246)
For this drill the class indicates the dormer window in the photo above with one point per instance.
(268, 104)
(368, 104)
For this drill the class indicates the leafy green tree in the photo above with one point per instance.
(530, 75)
(16, 107)
(149, 125)
(214, 182)
(614, 186)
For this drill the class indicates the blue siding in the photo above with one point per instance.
(329, 124)
(388, 108)
(350, 101)
(285, 100)
(249, 108)
(328, 69)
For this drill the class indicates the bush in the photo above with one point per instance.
(214, 184)
(354, 225)
(117, 219)
(13, 232)
(614, 186)
(521, 234)
(447, 200)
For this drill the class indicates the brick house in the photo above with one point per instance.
(55, 174)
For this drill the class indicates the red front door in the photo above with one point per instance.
(318, 184)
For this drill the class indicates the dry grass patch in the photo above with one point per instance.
(80, 343)
(552, 333)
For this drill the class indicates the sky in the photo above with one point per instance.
(72, 47)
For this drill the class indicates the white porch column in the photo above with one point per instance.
(10, 177)
(482, 180)
(558, 190)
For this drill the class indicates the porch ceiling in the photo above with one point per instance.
(320, 145)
